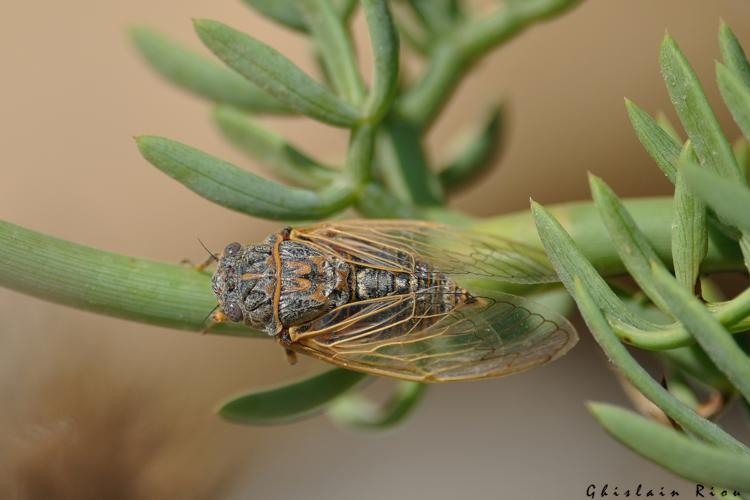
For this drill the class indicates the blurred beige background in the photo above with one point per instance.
(80, 393)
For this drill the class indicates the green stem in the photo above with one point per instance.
(653, 217)
(106, 283)
(455, 53)
(404, 165)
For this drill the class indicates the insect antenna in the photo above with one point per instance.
(211, 257)
(206, 325)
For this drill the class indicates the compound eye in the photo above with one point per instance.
(232, 249)
(233, 311)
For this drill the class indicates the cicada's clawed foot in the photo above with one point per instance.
(213, 319)
(291, 356)
(199, 267)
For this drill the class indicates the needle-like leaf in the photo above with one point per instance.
(709, 142)
(356, 411)
(290, 402)
(689, 232)
(632, 247)
(674, 451)
(275, 74)
(238, 189)
(708, 332)
(334, 46)
(287, 12)
(271, 150)
(736, 95)
(728, 199)
(477, 156)
(385, 50)
(641, 380)
(733, 54)
(570, 264)
(201, 76)
(659, 143)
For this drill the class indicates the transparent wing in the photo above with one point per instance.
(489, 337)
(400, 246)
(362, 319)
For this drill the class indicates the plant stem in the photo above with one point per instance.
(405, 167)
(653, 217)
(106, 283)
(455, 53)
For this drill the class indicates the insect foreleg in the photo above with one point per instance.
(291, 356)
(215, 317)
(201, 266)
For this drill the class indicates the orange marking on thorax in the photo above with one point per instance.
(251, 276)
(300, 285)
(301, 268)
(276, 254)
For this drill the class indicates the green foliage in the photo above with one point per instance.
(355, 411)
(335, 49)
(709, 142)
(201, 76)
(291, 401)
(685, 457)
(238, 189)
(689, 230)
(477, 155)
(711, 198)
(288, 13)
(271, 71)
(658, 141)
(641, 380)
(386, 172)
(271, 150)
(106, 283)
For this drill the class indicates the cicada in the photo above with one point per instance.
(387, 297)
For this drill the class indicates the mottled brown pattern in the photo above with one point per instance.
(383, 297)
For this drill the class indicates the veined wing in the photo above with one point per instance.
(486, 338)
(400, 246)
(361, 319)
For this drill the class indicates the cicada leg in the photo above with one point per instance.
(212, 257)
(201, 266)
(214, 318)
(291, 356)
(284, 340)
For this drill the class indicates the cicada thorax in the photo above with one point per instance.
(279, 283)
(311, 283)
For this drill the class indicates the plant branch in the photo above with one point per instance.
(455, 53)
(106, 283)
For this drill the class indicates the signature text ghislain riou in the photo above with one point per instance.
(606, 490)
